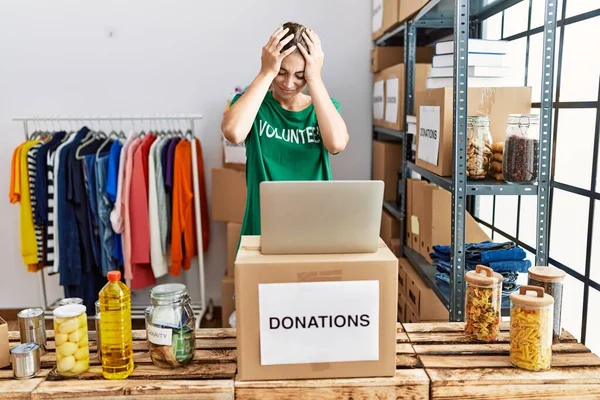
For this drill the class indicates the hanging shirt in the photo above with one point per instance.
(139, 217)
(163, 158)
(116, 215)
(170, 161)
(282, 145)
(44, 191)
(184, 240)
(19, 193)
(112, 191)
(158, 258)
(32, 176)
(53, 212)
(126, 193)
(164, 200)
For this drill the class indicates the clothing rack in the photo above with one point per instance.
(137, 311)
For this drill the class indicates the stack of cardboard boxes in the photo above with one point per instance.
(387, 14)
(228, 205)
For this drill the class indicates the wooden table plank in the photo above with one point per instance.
(151, 372)
(132, 389)
(448, 338)
(7, 374)
(491, 348)
(513, 376)
(208, 333)
(503, 392)
(406, 384)
(402, 337)
(18, 389)
(493, 361)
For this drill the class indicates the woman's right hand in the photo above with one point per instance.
(271, 52)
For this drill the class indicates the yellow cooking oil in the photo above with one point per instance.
(115, 328)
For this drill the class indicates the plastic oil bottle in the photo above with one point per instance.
(115, 328)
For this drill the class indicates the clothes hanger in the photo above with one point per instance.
(113, 133)
(91, 137)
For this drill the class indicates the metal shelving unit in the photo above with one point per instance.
(462, 18)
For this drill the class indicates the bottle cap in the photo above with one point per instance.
(547, 274)
(114, 276)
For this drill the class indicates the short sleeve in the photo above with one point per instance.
(235, 98)
(337, 105)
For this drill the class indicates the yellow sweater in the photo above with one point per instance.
(20, 193)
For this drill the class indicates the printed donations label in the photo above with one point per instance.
(313, 322)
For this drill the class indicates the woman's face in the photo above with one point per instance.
(290, 80)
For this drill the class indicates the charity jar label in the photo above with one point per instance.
(159, 336)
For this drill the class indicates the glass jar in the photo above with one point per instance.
(71, 339)
(170, 326)
(551, 279)
(479, 146)
(521, 148)
(483, 301)
(531, 328)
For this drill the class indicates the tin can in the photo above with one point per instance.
(25, 360)
(32, 327)
(70, 300)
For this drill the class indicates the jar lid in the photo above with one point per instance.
(168, 290)
(532, 296)
(70, 300)
(25, 349)
(483, 276)
(70, 311)
(547, 274)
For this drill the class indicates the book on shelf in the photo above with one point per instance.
(411, 119)
(474, 60)
(435, 83)
(475, 46)
(473, 71)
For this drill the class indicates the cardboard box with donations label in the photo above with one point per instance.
(315, 316)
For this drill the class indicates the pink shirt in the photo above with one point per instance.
(116, 215)
(126, 217)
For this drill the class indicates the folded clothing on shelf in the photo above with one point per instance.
(483, 252)
(509, 284)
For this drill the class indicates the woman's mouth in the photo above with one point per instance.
(287, 91)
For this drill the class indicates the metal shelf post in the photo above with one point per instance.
(459, 178)
(546, 111)
(410, 51)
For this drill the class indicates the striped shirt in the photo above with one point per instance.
(31, 169)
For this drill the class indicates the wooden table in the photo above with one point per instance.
(433, 361)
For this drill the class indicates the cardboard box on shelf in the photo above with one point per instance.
(441, 216)
(417, 211)
(305, 300)
(421, 298)
(394, 92)
(4, 346)
(383, 57)
(395, 247)
(233, 238)
(384, 16)
(387, 160)
(411, 316)
(425, 194)
(401, 308)
(227, 300)
(228, 191)
(402, 282)
(409, 212)
(407, 8)
(434, 120)
(234, 155)
(390, 228)
(378, 99)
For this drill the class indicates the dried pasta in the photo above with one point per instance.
(531, 338)
(483, 313)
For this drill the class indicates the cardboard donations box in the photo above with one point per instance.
(390, 228)
(4, 345)
(233, 238)
(434, 120)
(315, 316)
(420, 298)
(384, 16)
(228, 191)
(394, 92)
(378, 99)
(234, 155)
(227, 301)
(387, 160)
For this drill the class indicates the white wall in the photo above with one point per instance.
(133, 57)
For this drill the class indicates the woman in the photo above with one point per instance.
(288, 134)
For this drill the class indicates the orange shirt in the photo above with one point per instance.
(183, 237)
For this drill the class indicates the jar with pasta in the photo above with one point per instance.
(479, 146)
(483, 301)
(531, 313)
(71, 339)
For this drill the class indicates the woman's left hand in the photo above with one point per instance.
(313, 55)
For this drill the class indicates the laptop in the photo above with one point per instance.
(320, 217)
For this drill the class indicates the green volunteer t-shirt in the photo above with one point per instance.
(282, 145)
